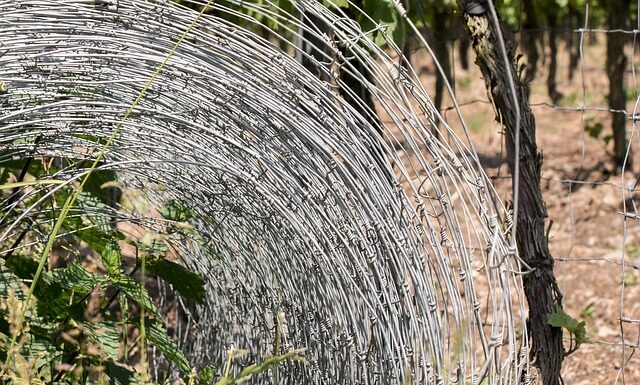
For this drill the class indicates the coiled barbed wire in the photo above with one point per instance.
(346, 228)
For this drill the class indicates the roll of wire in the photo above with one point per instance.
(343, 227)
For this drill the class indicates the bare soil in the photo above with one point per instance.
(597, 251)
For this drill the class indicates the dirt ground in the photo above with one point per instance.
(597, 252)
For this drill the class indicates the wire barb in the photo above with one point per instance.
(339, 215)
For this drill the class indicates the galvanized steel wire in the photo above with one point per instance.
(348, 229)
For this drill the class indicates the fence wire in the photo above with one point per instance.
(593, 207)
(378, 246)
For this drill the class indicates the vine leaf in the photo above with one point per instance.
(384, 12)
(563, 320)
(338, 3)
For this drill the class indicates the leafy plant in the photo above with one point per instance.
(384, 13)
(85, 318)
(577, 330)
(62, 325)
(70, 322)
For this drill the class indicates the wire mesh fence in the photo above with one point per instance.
(592, 204)
(317, 226)
(358, 222)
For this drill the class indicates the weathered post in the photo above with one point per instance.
(496, 60)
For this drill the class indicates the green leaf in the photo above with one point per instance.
(23, 266)
(112, 259)
(4, 175)
(157, 335)
(52, 300)
(10, 282)
(40, 331)
(384, 12)
(338, 3)
(594, 130)
(76, 278)
(607, 139)
(561, 319)
(105, 334)
(89, 221)
(206, 374)
(35, 167)
(58, 292)
(284, 8)
(124, 318)
(134, 290)
(95, 182)
(176, 211)
(588, 310)
(118, 374)
(248, 371)
(39, 348)
(581, 333)
(188, 283)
